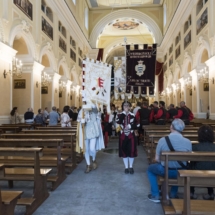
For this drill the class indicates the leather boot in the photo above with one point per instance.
(88, 169)
(94, 165)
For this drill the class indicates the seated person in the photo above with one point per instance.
(179, 143)
(40, 118)
(29, 116)
(206, 139)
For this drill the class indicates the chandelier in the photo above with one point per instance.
(16, 68)
(203, 76)
(188, 82)
(45, 79)
(163, 93)
(62, 86)
(177, 87)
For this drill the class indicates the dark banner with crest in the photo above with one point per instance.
(140, 65)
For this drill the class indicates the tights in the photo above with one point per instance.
(90, 147)
(131, 160)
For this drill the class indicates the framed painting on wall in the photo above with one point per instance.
(25, 6)
(206, 87)
(19, 84)
(70, 97)
(47, 28)
(60, 95)
(44, 90)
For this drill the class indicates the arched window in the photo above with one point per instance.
(74, 1)
(49, 13)
(59, 26)
(86, 19)
(64, 31)
(164, 15)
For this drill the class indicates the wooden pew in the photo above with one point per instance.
(183, 156)
(20, 125)
(50, 159)
(65, 151)
(187, 206)
(12, 129)
(38, 175)
(8, 201)
(68, 138)
(155, 137)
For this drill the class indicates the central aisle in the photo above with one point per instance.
(105, 191)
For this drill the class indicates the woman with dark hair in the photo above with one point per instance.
(40, 118)
(14, 116)
(206, 139)
(65, 119)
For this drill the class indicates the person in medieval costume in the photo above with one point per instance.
(90, 136)
(127, 141)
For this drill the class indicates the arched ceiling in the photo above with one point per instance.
(129, 27)
(105, 4)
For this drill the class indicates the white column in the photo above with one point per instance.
(210, 63)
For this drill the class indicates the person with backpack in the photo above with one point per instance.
(173, 142)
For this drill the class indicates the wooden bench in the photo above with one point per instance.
(52, 157)
(12, 129)
(20, 125)
(68, 138)
(183, 156)
(155, 137)
(187, 206)
(48, 130)
(8, 201)
(38, 175)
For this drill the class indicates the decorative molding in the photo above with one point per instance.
(152, 25)
(22, 29)
(25, 26)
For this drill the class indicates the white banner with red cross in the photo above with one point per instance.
(97, 82)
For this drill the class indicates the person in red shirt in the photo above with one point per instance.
(154, 111)
(160, 117)
(184, 113)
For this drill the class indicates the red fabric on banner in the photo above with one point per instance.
(159, 72)
(100, 55)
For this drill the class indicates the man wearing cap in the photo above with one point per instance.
(127, 141)
(160, 117)
(179, 143)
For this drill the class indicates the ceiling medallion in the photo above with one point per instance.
(125, 25)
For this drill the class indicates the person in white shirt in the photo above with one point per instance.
(65, 119)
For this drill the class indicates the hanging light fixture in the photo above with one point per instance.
(62, 86)
(45, 79)
(16, 68)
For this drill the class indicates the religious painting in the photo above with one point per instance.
(187, 39)
(170, 60)
(206, 86)
(191, 92)
(60, 95)
(72, 55)
(177, 39)
(125, 25)
(25, 6)
(19, 84)
(44, 90)
(62, 44)
(177, 52)
(202, 21)
(170, 49)
(70, 97)
(47, 28)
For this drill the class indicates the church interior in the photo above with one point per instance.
(43, 48)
